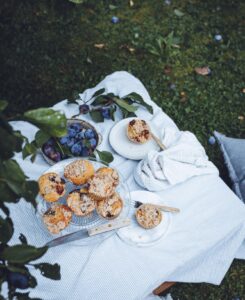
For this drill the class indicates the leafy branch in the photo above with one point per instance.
(14, 184)
(103, 106)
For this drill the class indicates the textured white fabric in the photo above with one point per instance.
(184, 158)
(200, 246)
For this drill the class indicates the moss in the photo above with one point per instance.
(47, 53)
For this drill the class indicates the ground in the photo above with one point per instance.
(50, 50)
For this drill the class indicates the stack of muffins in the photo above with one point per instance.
(97, 191)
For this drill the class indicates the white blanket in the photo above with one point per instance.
(184, 158)
(200, 246)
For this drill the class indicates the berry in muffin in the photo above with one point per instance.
(57, 218)
(138, 131)
(80, 203)
(51, 187)
(148, 216)
(110, 208)
(79, 171)
(102, 185)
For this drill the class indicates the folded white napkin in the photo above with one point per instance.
(184, 158)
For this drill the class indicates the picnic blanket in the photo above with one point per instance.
(199, 247)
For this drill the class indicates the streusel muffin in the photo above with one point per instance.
(57, 218)
(110, 208)
(51, 186)
(102, 185)
(79, 171)
(138, 131)
(148, 216)
(80, 203)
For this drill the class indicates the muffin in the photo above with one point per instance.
(138, 131)
(80, 203)
(79, 171)
(110, 208)
(57, 218)
(148, 216)
(102, 185)
(51, 186)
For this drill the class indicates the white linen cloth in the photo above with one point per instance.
(184, 158)
(200, 246)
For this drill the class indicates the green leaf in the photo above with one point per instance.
(4, 208)
(12, 175)
(77, 1)
(24, 296)
(30, 191)
(6, 229)
(3, 105)
(96, 116)
(178, 13)
(23, 239)
(2, 278)
(33, 157)
(6, 194)
(105, 156)
(49, 271)
(12, 143)
(127, 114)
(32, 281)
(18, 268)
(29, 149)
(51, 121)
(99, 92)
(113, 109)
(138, 99)
(41, 137)
(74, 98)
(102, 100)
(123, 104)
(14, 185)
(22, 254)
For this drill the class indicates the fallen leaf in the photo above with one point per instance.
(178, 13)
(203, 71)
(131, 3)
(167, 70)
(130, 49)
(183, 97)
(88, 60)
(112, 7)
(99, 46)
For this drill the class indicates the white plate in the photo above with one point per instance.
(138, 236)
(123, 146)
(85, 222)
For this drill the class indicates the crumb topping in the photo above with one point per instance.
(104, 182)
(75, 169)
(138, 131)
(57, 217)
(51, 184)
(110, 207)
(148, 216)
(81, 204)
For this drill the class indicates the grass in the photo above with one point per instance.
(47, 53)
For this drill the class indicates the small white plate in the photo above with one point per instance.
(123, 146)
(138, 236)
